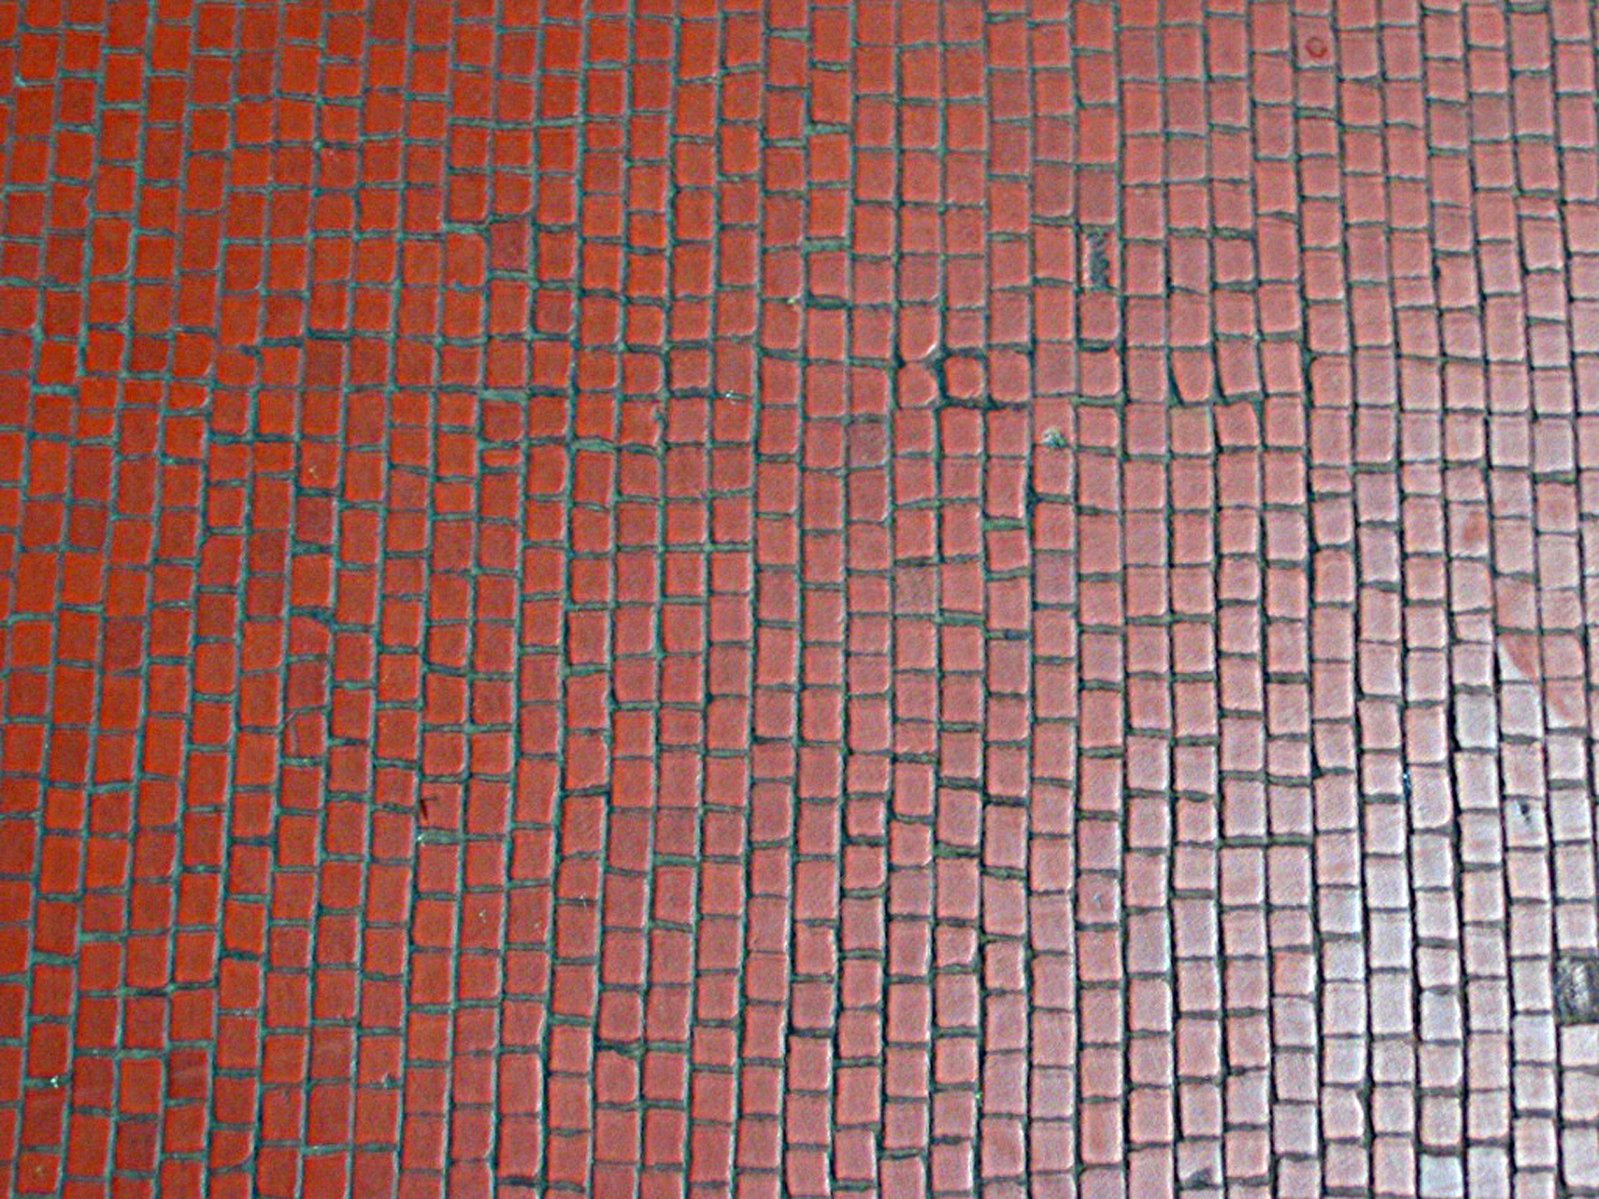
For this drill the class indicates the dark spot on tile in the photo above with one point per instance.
(1577, 989)
(1099, 260)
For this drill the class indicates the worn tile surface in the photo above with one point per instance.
(655, 598)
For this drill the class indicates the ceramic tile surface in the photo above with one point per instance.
(658, 599)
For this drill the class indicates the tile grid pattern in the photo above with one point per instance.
(789, 598)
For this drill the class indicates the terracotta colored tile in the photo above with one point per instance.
(903, 598)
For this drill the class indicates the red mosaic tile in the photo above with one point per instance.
(912, 599)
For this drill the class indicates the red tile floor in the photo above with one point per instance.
(665, 599)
